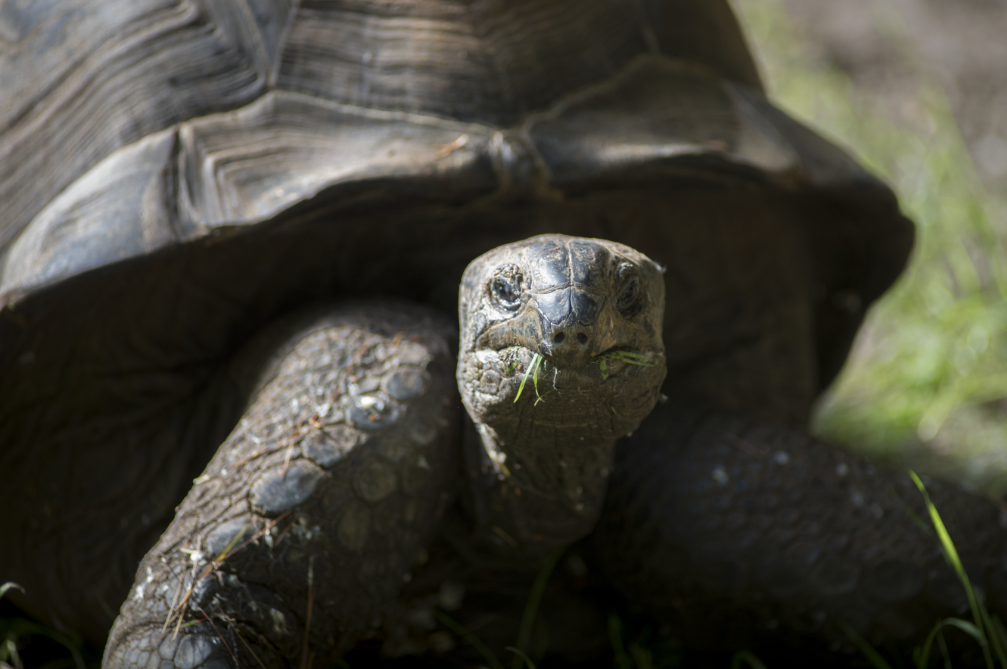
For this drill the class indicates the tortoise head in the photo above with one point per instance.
(578, 320)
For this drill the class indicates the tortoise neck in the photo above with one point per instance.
(535, 490)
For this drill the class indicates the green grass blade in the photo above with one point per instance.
(619, 656)
(469, 638)
(1000, 632)
(629, 357)
(867, 649)
(534, 382)
(921, 655)
(9, 585)
(532, 367)
(520, 653)
(995, 635)
(968, 628)
(747, 657)
(531, 608)
(224, 554)
(951, 553)
(943, 645)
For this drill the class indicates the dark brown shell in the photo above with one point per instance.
(140, 133)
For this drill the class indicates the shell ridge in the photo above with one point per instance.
(81, 229)
(78, 119)
(61, 92)
(281, 45)
(252, 32)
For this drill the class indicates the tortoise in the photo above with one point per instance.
(233, 236)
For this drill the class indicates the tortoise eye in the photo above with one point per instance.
(506, 292)
(629, 289)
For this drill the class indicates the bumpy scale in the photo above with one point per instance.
(313, 512)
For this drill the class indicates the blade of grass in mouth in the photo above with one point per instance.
(533, 372)
(629, 357)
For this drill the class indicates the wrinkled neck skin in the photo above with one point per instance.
(539, 323)
(538, 468)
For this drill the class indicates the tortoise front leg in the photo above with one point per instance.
(746, 535)
(309, 518)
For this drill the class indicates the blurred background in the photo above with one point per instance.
(917, 91)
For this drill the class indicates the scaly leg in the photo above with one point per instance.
(297, 537)
(746, 535)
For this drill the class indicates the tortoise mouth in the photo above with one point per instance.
(517, 389)
(619, 353)
(626, 356)
(537, 375)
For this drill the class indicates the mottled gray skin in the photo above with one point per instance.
(539, 477)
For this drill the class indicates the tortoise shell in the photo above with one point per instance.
(178, 173)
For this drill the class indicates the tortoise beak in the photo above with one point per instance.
(571, 331)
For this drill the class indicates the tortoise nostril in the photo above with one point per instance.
(582, 338)
(559, 338)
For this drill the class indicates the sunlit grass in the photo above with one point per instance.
(931, 360)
